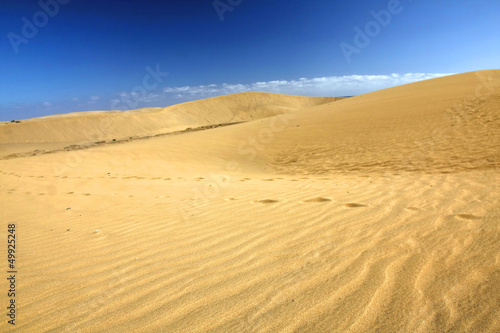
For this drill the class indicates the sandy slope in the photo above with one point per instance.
(379, 212)
(81, 127)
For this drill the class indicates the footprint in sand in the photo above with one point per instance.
(230, 199)
(268, 180)
(199, 178)
(167, 178)
(353, 205)
(467, 217)
(70, 192)
(86, 194)
(319, 199)
(267, 201)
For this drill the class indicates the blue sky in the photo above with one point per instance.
(111, 54)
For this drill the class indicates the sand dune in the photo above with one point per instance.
(374, 213)
(82, 127)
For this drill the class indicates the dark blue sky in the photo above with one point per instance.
(93, 55)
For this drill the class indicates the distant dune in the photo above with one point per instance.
(85, 127)
(376, 213)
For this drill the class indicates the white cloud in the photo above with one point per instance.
(321, 86)
(46, 104)
(75, 98)
(349, 85)
(94, 98)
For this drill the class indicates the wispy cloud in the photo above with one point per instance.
(321, 86)
(93, 99)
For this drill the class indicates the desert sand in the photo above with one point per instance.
(375, 213)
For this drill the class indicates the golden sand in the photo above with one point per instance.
(373, 213)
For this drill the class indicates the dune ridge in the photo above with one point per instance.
(91, 126)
